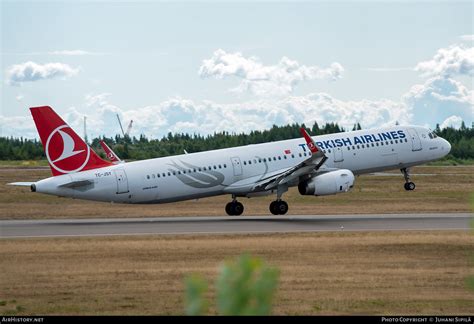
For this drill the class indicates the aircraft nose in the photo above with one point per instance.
(446, 146)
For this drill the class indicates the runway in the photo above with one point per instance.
(232, 224)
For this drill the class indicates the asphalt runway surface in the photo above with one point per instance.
(233, 225)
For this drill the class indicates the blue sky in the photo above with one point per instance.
(206, 66)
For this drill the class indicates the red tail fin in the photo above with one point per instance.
(65, 150)
(110, 154)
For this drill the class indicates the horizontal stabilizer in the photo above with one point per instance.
(23, 184)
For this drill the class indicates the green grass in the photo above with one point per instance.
(23, 163)
(446, 161)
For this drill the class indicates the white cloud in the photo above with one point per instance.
(72, 53)
(388, 69)
(265, 80)
(180, 115)
(437, 99)
(31, 71)
(18, 126)
(467, 38)
(452, 121)
(428, 103)
(454, 60)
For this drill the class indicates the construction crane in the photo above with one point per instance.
(129, 128)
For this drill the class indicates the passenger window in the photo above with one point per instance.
(220, 166)
(148, 177)
(250, 162)
(163, 174)
(279, 157)
(158, 175)
(358, 147)
(292, 156)
(225, 165)
(264, 160)
(179, 172)
(169, 174)
(259, 160)
(363, 146)
(215, 167)
(284, 156)
(329, 151)
(348, 148)
(301, 155)
(174, 173)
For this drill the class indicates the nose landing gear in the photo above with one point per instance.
(408, 184)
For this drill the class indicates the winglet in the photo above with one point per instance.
(309, 141)
(110, 154)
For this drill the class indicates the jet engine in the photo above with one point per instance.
(329, 183)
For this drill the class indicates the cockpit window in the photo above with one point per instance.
(432, 134)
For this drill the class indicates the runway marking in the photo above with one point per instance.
(236, 232)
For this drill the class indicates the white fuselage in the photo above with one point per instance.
(236, 170)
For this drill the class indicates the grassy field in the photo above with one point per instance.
(439, 189)
(321, 273)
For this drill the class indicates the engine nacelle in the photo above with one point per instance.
(329, 183)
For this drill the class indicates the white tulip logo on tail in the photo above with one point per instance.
(65, 151)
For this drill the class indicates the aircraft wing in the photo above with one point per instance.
(308, 166)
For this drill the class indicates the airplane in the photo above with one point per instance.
(318, 166)
(111, 156)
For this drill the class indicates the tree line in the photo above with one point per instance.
(139, 148)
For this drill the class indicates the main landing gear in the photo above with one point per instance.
(234, 208)
(408, 184)
(279, 207)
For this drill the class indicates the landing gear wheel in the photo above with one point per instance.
(282, 207)
(228, 209)
(409, 186)
(278, 207)
(234, 208)
(272, 208)
(238, 208)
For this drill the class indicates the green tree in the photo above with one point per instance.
(245, 286)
